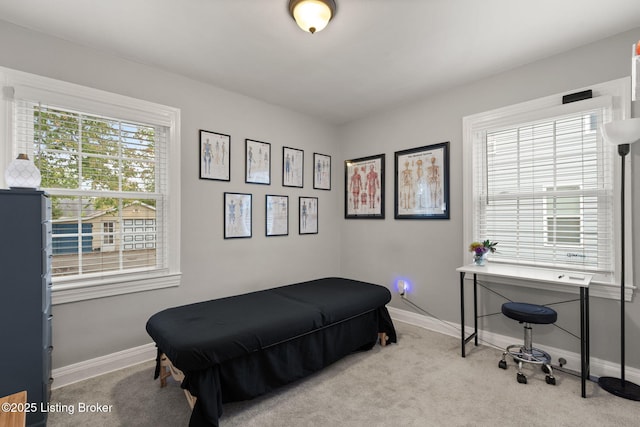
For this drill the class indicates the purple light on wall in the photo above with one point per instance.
(403, 286)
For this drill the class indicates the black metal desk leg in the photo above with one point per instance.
(587, 337)
(475, 308)
(474, 335)
(462, 310)
(584, 339)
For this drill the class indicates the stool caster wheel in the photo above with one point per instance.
(502, 364)
(546, 369)
(522, 379)
(550, 380)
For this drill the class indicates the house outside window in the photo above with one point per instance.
(563, 218)
(105, 160)
(540, 180)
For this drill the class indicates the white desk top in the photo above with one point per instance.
(561, 277)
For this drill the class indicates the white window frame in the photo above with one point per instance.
(93, 101)
(619, 92)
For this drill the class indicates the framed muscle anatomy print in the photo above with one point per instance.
(364, 187)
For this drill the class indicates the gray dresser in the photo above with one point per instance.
(25, 298)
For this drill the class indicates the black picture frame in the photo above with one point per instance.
(364, 187)
(308, 215)
(321, 171)
(422, 182)
(276, 215)
(237, 215)
(257, 162)
(215, 156)
(292, 167)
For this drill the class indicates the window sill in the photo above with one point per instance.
(66, 293)
(608, 291)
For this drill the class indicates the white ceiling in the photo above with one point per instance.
(373, 55)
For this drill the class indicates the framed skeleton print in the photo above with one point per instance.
(214, 155)
(422, 182)
(237, 215)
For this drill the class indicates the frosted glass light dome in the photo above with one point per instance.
(620, 132)
(312, 15)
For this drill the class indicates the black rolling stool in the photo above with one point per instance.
(528, 314)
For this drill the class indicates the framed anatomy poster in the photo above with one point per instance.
(422, 182)
(308, 211)
(237, 215)
(321, 171)
(277, 215)
(257, 158)
(364, 187)
(214, 155)
(292, 167)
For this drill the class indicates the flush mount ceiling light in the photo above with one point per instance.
(312, 15)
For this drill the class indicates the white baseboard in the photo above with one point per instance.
(598, 367)
(101, 365)
(112, 362)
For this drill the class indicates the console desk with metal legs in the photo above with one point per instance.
(565, 281)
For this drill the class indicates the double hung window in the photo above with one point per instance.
(110, 166)
(541, 180)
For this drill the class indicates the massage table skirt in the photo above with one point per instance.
(240, 347)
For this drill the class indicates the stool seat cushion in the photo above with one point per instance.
(529, 313)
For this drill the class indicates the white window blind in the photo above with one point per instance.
(102, 173)
(544, 190)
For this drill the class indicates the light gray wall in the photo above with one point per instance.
(212, 267)
(427, 252)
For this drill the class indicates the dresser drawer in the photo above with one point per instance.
(47, 322)
(47, 243)
(46, 208)
(47, 232)
(47, 287)
(47, 362)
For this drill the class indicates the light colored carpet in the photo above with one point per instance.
(421, 381)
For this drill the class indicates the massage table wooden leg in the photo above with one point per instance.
(383, 338)
(166, 370)
(190, 399)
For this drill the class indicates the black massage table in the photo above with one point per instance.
(237, 348)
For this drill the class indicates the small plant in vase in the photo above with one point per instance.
(481, 249)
